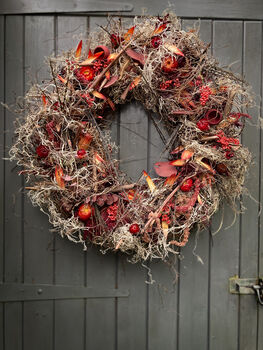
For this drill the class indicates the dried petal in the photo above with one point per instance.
(187, 154)
(160, 29)
(78, 51)
(174, 49)
(127, 36)
(165, 228)
(178, 162)
(149, 181)
(59, 177)
(90, 59)
(99, 95)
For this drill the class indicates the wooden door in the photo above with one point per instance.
(105, 302)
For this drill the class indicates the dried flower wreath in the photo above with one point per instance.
(64, 147)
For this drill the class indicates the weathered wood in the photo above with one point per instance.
(249, 220)
(227, 47)
(100, 273)
(2, 169)
(260, 236)
(132, 313)
(232, 9)
(69, 258)
(38, 242)
(162, 299)
(13, 197)
(194, 276)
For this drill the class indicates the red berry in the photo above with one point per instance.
(42, 151)
(85, 212)
(134, 228)
(156, 41)
(187, 185)
(81, 153)
(203, 125)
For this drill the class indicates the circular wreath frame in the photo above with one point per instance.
(64, 146)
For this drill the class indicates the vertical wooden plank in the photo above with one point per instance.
(249, 220)
(38, 255)
(132, 312)
(69, 257)
(227, 47)
(2, 169)
(162, 328)
(194, 276)
(260, 235)
(13, 197)
(100, 273)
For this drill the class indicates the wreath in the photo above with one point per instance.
(65, 149)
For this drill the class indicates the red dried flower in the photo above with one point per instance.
(85, 74)
(81, 153)
(134, 228)
(42, 151)
(203, 125)
(156, 42)
(169, 64)
(187, 185)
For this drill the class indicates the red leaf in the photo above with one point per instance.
(164, 169)
(44, 100)
(127, 36)
(137, 56)
(111, 104)
(112, 80)
(178, 162)
(160, 29)
(99, 95)
(91, 58)
(78, 51)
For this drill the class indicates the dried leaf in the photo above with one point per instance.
(174, 49)
(64, 81)
(127, 36)
(136, 56)
(44, 100)
(85, 141)
(178, 162)
(177, 150)
(187, 154)
(78, 51)
(205, 165)
(107, 74)
(111, 104)
(135, 82)
(90, 59)
(99, 95)
(164, 169)
(165, 228)
(59, 177)
(149, 181)
(160, 29)
(112, 80)
(171, 180)
(112, 56)
(97, 158)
